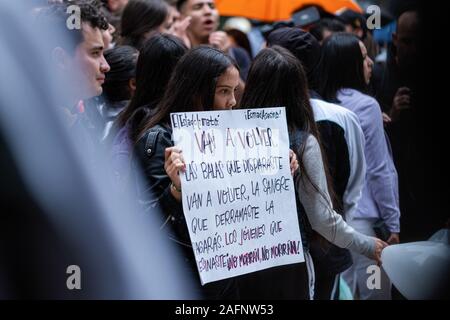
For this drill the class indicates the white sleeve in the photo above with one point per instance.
(318, 207)
(355, 142)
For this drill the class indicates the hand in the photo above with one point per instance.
(394, 238)
(179, 28)
(173, 164)
(386, 119)
(293, 162)
(220, 40)
(379, 246)
(402, 101)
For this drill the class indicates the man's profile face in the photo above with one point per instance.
(205, 19)
(89, 66)
(406, 39)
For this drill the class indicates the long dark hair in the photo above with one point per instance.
(139, 18)
(241, 40)
(341, 66)
(277, 78)
(193, 83)
(122, 60)
(155, 64)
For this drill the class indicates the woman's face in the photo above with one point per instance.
(108, 36)
(227, 84)
(367, 63)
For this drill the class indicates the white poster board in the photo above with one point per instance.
(238, 193)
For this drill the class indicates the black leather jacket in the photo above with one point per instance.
(154, 189)
(155, 192)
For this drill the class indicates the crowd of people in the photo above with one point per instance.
(134, 62)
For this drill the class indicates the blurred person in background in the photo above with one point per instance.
(57, 210)
(140, 19)
(80, 64)
(237, 30)
(399, 88)
(119, 86)
(177, 26)
(345, 74)
(355, 23)
(203, 31)
(325, 28)
(108, 36)
(112, 10)
(157, 59)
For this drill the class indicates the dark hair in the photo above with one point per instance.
(55, 17)
(304, 46)
(354, 19)
(172, 3)
(193, 83)
(277, 79)
(180, 4)
(241, 40)
(333, 25)
(341, 66)
(122, 60)
(155, 64)
(139, 18)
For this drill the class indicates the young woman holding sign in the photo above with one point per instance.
(276, 78)
(204, 79)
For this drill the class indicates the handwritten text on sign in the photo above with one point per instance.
(238, 192)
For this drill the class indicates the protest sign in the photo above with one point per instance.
(237, 191)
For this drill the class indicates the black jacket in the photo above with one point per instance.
(154, 190)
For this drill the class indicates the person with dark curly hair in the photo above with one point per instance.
(75, 52)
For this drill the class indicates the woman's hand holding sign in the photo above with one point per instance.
(293, 162)
(174, 163)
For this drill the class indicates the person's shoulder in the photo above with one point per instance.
(312, 149)
(311, 142)
(299, 137)
(158, 128)
(240, 53)
(156, 136)
(357, 98)
(329, 111)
